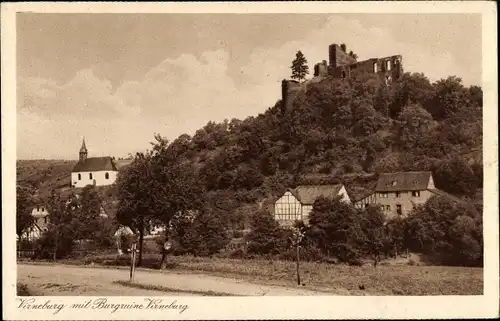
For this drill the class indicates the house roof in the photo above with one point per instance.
(307, 194)
(403, 181)
(95, 164)
(443, 193)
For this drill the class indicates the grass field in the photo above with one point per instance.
(337, 278)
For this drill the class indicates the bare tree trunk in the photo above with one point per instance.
(56, 241)
(163, 264)
(141, 241)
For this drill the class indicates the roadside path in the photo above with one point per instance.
(91, 281)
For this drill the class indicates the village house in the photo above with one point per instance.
(40, 223)
(42, 218)
(399, 193)
(296, 204)
(97, 171)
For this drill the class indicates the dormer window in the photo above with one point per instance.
(414, 182)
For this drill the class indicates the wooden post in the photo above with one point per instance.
(298, 273)
(132, 263)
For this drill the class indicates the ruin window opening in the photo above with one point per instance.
(398, 209)
(375, 67)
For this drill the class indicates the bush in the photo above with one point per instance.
(450, 232)
(44, 246)
(266, 236)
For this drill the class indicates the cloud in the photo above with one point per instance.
(182, 94)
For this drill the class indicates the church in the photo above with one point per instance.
(97, 171)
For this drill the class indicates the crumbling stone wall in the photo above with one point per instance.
(289, 91)
(388, 68)
(321, 69)
(338, 57)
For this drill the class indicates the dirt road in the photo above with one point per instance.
(88, 281)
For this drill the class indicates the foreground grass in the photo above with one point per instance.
(334, 278)
(22, 290)
(167, 289)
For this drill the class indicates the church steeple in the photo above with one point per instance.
(83, 152)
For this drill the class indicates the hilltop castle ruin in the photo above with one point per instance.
(343, 66)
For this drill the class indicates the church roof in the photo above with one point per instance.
(83, 149)
(93, 164)
(307, 194)
(403, 181)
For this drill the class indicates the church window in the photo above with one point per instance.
(106, 175)
(79, 177)
(90, 175)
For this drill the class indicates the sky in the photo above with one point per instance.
(117, 79)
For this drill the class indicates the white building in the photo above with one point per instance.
(98, 171)
(296, 204)
(40, 223)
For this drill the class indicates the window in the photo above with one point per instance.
(375, 67)
(106, 175)
(398, 209)
(366, 205)
(415, 193)
(79, 177)
(343, 74)
(388, 65)
(43, 209)
(398, 194)
(382, 207)
(90, 175)
(394, 183)
(387, 207)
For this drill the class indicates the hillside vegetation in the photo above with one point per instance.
(345, 131)
(338, 131)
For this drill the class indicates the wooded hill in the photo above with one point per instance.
(339, 130)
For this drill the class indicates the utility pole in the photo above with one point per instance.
(132, 261)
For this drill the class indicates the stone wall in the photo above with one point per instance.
(338, 57)
(289, 91)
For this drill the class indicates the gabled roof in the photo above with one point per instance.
(443, 193)
(403, 181)
(95, 164)
(307, 194)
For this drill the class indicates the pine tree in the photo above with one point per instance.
(299, 67)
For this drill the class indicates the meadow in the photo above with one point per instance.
(337, 279)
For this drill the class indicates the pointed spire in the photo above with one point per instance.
(84, 148)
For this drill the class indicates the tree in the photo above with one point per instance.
(60, 233)
(136, 198)
(87, 214)
(299, 67)
(450, 232)
(335, 226)
(266, 237)
(353, 55)
(24, 206)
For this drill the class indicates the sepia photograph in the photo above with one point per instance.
(220, 154)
